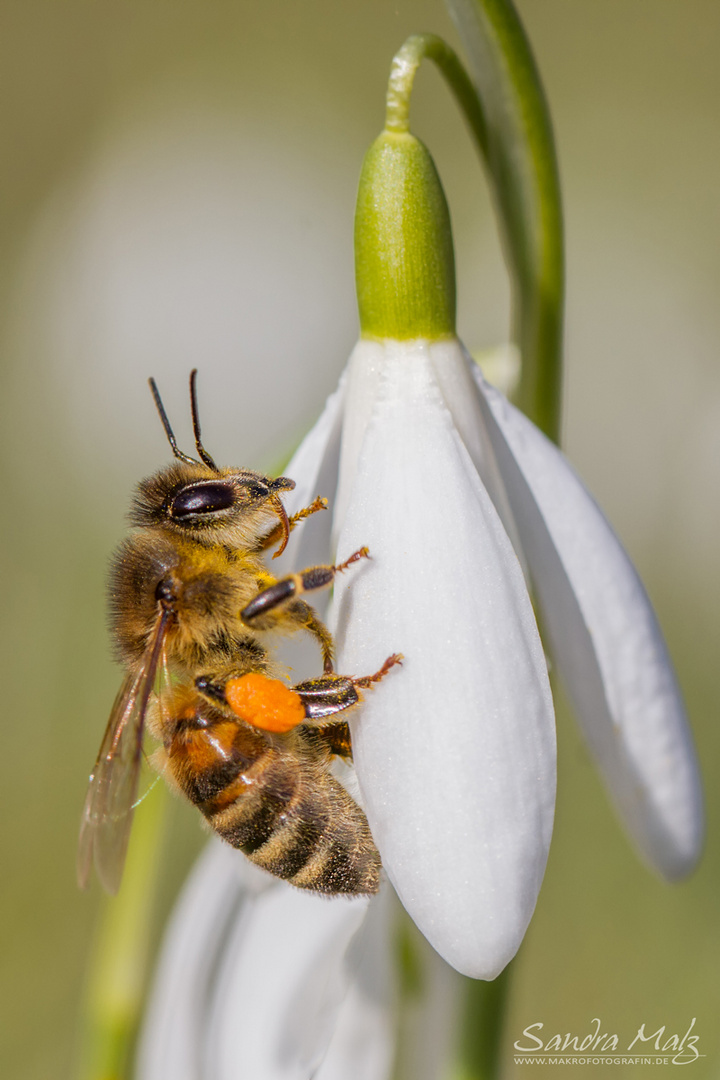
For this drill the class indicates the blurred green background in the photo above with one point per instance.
(178, 190)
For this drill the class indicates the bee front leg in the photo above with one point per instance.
(289, 589)
(294, 519)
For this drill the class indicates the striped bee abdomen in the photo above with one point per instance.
(273, 798)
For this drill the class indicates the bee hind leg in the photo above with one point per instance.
(329, 694)
(270, 705)
(368, 680)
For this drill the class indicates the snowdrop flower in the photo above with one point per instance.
(465, 505)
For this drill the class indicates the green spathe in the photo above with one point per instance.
(404, 262)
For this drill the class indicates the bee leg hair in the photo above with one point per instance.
(275, 535)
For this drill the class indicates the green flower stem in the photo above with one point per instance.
(116, 980)
(523, 174)
(507, 115)
(481, 1028)
(405, 63)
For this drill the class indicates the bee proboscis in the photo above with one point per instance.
(192, 603)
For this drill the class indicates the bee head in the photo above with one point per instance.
(216, 506)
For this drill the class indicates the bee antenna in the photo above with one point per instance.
(202, 452)
(166, 424)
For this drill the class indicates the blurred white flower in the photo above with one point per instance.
(258, 979)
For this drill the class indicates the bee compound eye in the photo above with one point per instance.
(202, 499)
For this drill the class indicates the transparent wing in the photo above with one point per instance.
(108, 812)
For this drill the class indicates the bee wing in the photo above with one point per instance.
(108, 812)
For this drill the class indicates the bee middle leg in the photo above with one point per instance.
(287, 590)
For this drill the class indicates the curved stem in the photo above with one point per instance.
(405, 63)
(507, 114)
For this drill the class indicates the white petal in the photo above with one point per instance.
(172, 1040)
(361, 377)
(314, 468)
(457, 386)
(283, 978)
(455, 752)
(606, 641)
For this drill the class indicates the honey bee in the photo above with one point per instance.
(192, 603)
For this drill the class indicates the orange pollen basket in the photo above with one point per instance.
(265, 703)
